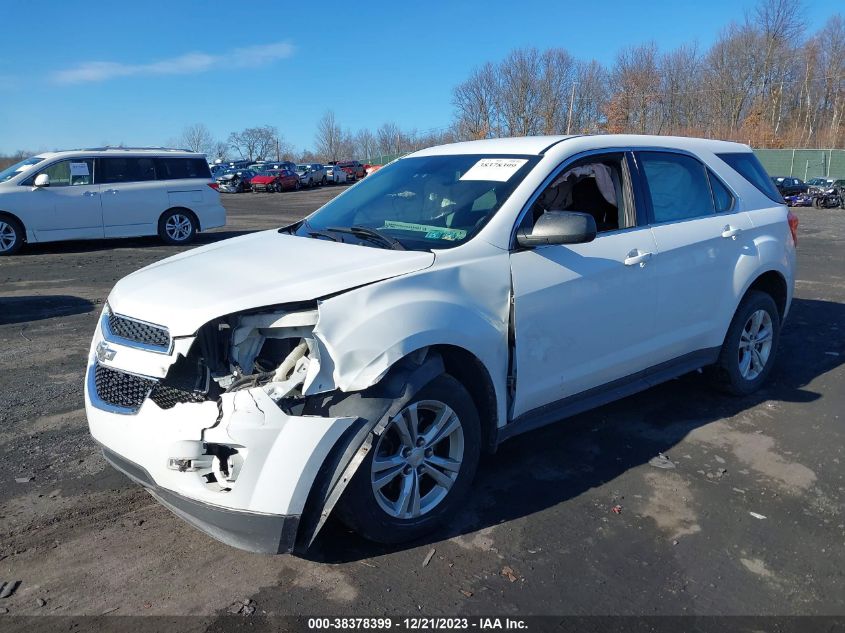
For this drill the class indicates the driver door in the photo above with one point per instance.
(69, 208)
(584, 314)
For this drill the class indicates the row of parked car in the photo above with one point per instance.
(286, 176)
(821, 193)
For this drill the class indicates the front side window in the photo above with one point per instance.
(677, 186)
(422, 203)
(66, 173)
(598, 186)
(126, 169)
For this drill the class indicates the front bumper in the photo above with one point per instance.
(281, 455)
(251, 531)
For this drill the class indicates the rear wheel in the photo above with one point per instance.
(419, 469)
(177, 227)
(750, 346)
(11, 236)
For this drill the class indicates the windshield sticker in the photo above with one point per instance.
(498, 169)
(79, 169)
(431, 232)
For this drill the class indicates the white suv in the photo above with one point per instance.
(107, 192)
(369, 353)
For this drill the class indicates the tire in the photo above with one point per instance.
(12, 235)
(739, 370)
(177, 226)
(297, 186)
(363, 506)
(323, 181)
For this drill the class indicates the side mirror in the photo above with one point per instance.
(42, 180)
(558, 227)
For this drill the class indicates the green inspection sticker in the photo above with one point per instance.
(431, 232)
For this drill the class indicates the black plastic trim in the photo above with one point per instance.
(604, 394)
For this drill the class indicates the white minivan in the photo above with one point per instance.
(453, 299)
(105, 193)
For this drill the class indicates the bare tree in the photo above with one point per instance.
(329, 138)
(197, 138)
(365, 144)
(254, 143)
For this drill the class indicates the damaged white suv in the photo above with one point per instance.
(360, 360)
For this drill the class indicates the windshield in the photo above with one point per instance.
(301, 169)
(17, 168)
(424, 203)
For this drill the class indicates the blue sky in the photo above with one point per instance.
(75, 74)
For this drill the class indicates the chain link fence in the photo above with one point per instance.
(803, 163)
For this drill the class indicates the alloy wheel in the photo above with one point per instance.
(417, 459)
(8, 236)
(178, 227)
(755, 344)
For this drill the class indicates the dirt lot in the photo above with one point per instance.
(84, 540)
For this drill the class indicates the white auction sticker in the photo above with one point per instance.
(499, 169)
(79, 169)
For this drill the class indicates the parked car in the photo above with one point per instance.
(308, 177)
(236, 180)
(788, 186)
(335, 174)
(275, 180)
(461, 295)
(105, 193)
(353, 168)
(819, 182)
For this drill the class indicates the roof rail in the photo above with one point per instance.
(115, 148)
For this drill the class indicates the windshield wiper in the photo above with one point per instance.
(315, 233)
(374, 235)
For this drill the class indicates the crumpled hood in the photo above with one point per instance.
(187, 290)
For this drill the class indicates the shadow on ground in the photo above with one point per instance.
(92, 246)
(552, 465)
(35, 308)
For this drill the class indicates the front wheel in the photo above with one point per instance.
(11, 236)
(748, 352)
(419, 469)
(177, 227)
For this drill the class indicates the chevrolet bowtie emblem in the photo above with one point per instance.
(104, 352)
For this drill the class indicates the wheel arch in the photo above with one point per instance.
(9, 214)
(773, 283)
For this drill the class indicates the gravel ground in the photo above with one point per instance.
(750, 521)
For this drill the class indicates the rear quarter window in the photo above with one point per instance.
(747, 166)
(175, 168)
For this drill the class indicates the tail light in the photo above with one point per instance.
(214, 185)
(793, 226)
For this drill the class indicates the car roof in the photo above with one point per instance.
(122, 151)
(537, 145)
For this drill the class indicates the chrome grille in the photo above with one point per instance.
(139, 332)
(120, 389)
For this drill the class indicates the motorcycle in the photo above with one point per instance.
(828, 199)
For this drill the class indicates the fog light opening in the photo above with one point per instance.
(226, 465)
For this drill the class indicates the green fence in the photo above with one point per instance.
(803, 163)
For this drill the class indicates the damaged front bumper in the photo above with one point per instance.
(239, 468)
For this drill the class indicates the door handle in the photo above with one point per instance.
(636, 257)
(90, 193)
(112, 191)
(730, 232)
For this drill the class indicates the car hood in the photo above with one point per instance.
(187, 290)
(260, 179)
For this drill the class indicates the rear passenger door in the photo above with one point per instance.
(701, 236)
(132, 198)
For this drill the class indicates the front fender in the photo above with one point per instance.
(363, 332)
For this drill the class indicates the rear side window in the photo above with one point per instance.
(174, 168)
(677, 185)
(126, 169)
(722, 197)
(747, 165)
